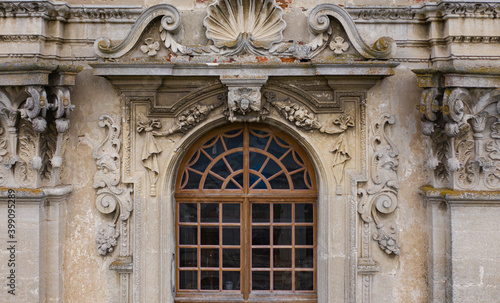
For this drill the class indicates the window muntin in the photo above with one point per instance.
(246, 217)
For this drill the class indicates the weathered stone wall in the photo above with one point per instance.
(424, 39)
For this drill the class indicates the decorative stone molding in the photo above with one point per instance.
(253, 27)
(63, 10)
(381, 194)
(112, 196)
(460, 118)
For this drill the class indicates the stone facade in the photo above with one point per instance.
(397, 108)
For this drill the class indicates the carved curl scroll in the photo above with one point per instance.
(113, 197)
(381, 195)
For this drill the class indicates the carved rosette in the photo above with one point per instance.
(112, 197)
(380, 197)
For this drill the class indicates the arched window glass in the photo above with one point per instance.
(246, 217)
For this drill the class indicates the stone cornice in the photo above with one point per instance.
(366, 69)
(129, 13)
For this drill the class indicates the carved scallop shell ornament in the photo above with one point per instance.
(244, 25)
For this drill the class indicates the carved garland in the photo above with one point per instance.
(306, 120)
(113, 197)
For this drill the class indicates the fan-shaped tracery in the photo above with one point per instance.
(246, 158)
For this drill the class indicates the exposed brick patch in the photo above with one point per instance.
(284, 3)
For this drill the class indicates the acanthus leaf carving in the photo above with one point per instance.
(151, 151)
(381, 194)
(112, 197)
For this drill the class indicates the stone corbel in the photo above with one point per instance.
(244, 99)
(459, 110)
(113, 197)
(380, 197)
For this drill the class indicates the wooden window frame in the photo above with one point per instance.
(246, 197)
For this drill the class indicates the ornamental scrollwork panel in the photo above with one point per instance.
(380, 197)
(113, 197)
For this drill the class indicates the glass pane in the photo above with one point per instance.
(221, 169)
(260, 235)
(304, 257)
(304, 213)
(261, 257)
(271, 169)
(231, 258)
(290, 163)
(201, 163)
(188, 279)
(231, 213)
(261, 280)
(304, 235)
(231, 280)
(230, 236)
(304, 280)
(233, 138)
(212, 182)
(276, 149)
(210, 257)
(298, 180)
(188, 257)
(256, 160)
(210, 235)
(282, 280)
(209, 212)
(280, 182)
(188, 235)
(235, 160)
(188, 212)
(193, 180)
(215, 149)
(260, 213)
(258, 138)
(282, 212)
(210, 280)
(282, 257)
(282, 235)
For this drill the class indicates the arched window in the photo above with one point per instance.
(246, 218)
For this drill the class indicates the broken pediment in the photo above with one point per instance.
(249, 27)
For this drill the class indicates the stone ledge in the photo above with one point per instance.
(461, 197)
(28, 194)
